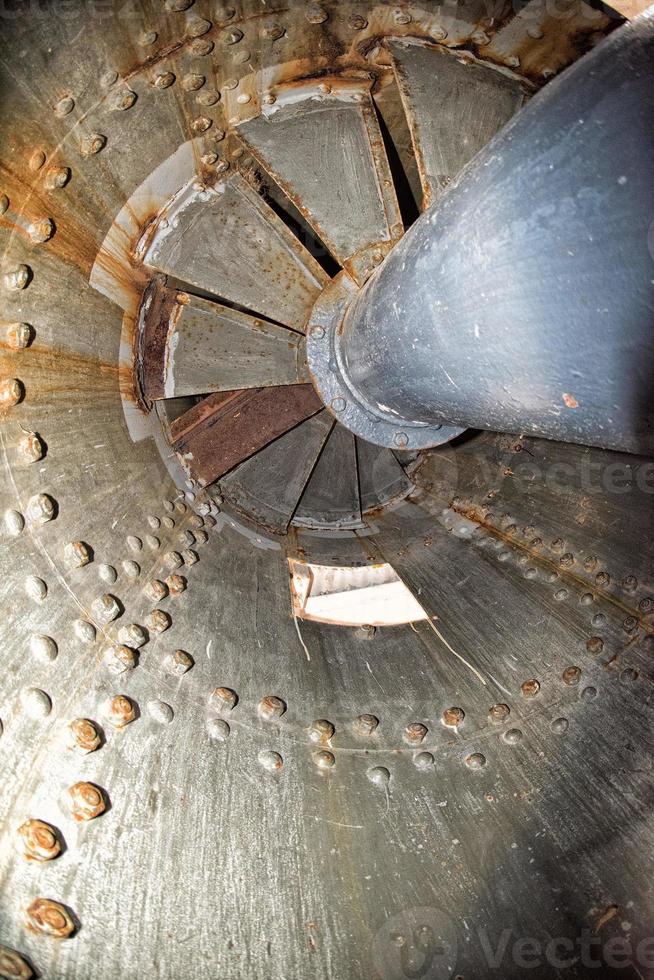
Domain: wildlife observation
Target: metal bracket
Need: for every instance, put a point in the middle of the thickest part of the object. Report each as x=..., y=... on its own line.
x=330, y=380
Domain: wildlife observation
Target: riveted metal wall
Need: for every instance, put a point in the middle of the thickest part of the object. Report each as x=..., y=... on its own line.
x=270, y=797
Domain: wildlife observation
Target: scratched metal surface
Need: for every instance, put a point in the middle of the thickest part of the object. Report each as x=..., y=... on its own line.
x=366, y=855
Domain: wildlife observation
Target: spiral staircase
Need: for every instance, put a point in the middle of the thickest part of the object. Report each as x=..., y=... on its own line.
x=199, y=778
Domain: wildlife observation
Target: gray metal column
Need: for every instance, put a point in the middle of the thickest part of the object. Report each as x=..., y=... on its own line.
x=524, y=300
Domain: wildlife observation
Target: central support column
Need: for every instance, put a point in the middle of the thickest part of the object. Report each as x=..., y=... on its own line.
x=523, y=301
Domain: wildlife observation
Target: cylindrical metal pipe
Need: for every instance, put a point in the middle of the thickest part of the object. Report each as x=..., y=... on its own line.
x=523, y=301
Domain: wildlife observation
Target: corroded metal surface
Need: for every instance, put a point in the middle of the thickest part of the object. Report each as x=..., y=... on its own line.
x=229, y=427
x=286, y=799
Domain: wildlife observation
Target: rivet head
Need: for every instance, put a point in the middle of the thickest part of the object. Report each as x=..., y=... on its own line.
x=201, y=537
x=120, y=658
x=530, y=688
x=134, y=543
x=321, y=730
x=173, y=559
x=269, y=98
x=414, y=733
x=243, y=98
x=560, y=726
x=176, y=584
x=178, y=662
x=83, y=736
x=164, y=79
x=316, y=14
x=452, y=717
x=208, y=99
x=4, y=203
x=512, y=736
x=401, y=17
x=19, y=336
x=201, y=47
x=131, y=568
x=39, y=841
x=193, y=82
x=49, y=918
x=379, y=776
x=119, y=711
x=201, y=124
x=30, y=447
x=132, y=635
x=43, y=648
x=595, y=645
x=160, y=712
x=36, y=588
x=338, y=404
x=223, y=698
x=475, y=760
x=324, y=759
x=401, y=439
x=316, y=331
x=13, y=966
x=357, y=22
x=571, y=675
x=602, y=579
x=14, y=522
x=18, y=277
x=11, y=392
x=272, y=761
x=42, y=230
x=231, y=36
x=91, y=144
x=56, y=178
x=64, y=106
x=273, y=32
x=106, y=608
x=85, y=801
x=218, y=729
x=36, y=703
x=197, y=26
x=271, y=707
x=156, y=590
x=41, y=508
x=366, y=724
x=158, y=621
x=190, y=557
x=499, y=712
x=77, y=554
x=423, y=760
x=84, y=631
x=122, y=100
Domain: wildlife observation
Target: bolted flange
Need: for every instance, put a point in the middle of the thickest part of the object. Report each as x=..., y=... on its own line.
x=330, y=380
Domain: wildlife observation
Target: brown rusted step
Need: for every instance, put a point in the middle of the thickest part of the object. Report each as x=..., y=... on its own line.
x=228, y=427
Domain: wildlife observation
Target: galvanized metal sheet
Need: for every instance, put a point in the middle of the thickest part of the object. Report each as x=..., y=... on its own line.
x=331, y=498
x=454, y=106
x=268, y=486
x=228, y=241
x=211, y=347
x=321, y=143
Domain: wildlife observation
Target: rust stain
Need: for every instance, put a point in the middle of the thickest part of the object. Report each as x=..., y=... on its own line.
x=570, y=400
x=475, y=514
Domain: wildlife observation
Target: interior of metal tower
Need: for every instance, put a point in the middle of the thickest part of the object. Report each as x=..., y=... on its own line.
x=300, y=681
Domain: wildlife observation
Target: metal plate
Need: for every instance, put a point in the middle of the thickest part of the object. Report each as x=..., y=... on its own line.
x=454, y=106
x=321, y=143
x=226, y=240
